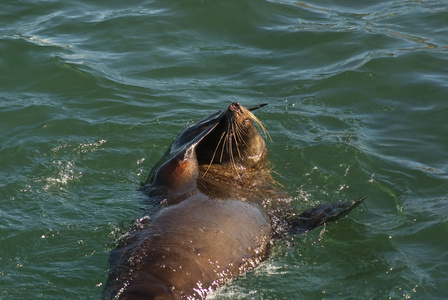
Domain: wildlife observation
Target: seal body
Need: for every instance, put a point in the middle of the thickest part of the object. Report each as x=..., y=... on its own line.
x=213, y=213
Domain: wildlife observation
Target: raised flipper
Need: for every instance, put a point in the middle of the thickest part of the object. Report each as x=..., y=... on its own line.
x=185, y=142
x=320, y=215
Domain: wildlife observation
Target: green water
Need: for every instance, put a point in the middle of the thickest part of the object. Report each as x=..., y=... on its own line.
x=93, y=92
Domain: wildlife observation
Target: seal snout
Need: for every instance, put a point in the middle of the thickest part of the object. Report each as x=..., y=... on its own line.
x=235, y=108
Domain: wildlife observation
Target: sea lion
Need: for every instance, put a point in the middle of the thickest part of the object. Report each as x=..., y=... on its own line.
x=214, y=213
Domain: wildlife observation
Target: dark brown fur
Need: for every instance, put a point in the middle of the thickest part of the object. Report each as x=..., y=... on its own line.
x=218, y=213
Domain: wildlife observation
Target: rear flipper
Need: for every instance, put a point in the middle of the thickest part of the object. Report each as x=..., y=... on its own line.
x=320, y=215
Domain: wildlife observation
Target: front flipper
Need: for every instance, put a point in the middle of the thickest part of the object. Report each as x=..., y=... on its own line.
x=320, y=215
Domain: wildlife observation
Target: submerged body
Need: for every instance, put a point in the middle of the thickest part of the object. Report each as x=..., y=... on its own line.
x=217, y=213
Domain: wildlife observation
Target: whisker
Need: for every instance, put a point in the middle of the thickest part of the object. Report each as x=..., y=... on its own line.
x=232, y=139
x=225, y=145
x=236, y=135
x=260, y=124
x=239, y=131
x=232, y=159
x=214, y=153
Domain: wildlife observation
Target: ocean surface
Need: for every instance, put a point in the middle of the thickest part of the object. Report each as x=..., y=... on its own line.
x=93, y=92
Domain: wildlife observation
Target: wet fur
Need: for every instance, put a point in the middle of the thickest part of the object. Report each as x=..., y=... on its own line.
x=217, y=213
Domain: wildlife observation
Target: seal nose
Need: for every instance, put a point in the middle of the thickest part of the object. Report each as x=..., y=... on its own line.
x=235, y=107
